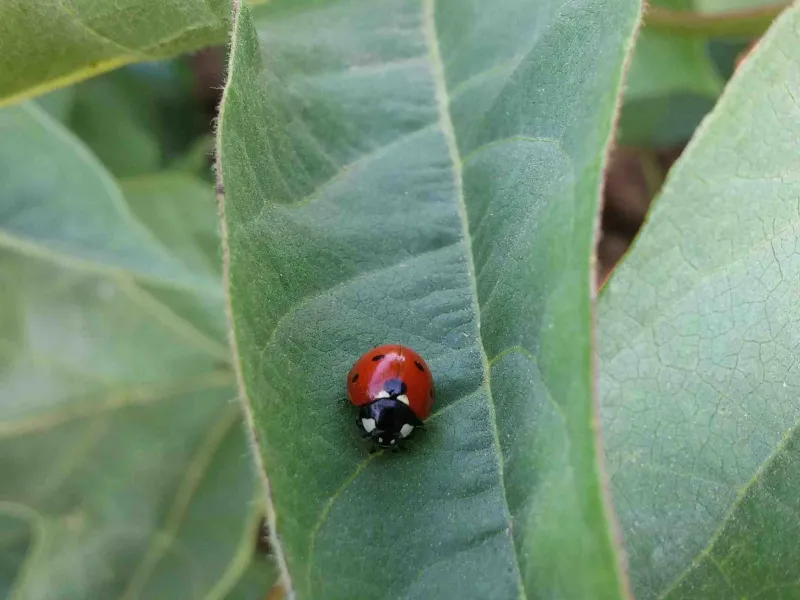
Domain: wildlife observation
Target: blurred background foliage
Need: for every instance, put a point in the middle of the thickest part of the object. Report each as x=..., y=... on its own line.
x=125, y=469
x=685, y=53
x=147, y=117
x=150, y=126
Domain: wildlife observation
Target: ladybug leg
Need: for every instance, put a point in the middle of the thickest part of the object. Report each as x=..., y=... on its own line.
x=363, y=432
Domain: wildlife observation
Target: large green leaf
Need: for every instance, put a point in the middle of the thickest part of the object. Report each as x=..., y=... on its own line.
x=123, y=467
x=45, y=44
x=699, y=338
x=424, y=173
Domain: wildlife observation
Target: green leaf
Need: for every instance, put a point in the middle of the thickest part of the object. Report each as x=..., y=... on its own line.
x=721, y=19
x=124, y=471
x=180, y=211
x=260, y=575
x=424, y=173
x=664, y=64
x=684, y=54
x=58, y=104
x=46, y=44
x=728, y=6
x=698, y=343
x=138, y=118
x=111, y=121
x=197, y=158
x=60, y=203
x=671, y=85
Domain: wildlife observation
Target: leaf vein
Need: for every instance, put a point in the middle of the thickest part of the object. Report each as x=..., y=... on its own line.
x=326, y=509
x=359, y=162
x=168, y=317
x=100, y=36
x=164, y=538
x=707, y=276
x=115, y=400
x=729, y=516
x=525, y=353
x=443, y=106
x=357, y=278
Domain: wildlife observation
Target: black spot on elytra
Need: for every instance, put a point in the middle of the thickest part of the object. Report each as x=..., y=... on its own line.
x=378, y=357
x=353, y=380
x=419, y=366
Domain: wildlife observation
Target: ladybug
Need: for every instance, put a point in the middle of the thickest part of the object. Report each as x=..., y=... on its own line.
x=393, y=388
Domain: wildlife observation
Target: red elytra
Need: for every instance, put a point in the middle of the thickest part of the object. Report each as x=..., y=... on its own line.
x=393, y=387
x=366, y=380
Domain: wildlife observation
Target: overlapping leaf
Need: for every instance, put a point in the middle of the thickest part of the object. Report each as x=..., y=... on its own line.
x=46, y=44
x=699, y=339
x=425, y=173
x=123, y=467
x=685, y=51
x=671, y=84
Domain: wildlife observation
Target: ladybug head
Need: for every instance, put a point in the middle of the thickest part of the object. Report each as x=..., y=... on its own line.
x=386, y=421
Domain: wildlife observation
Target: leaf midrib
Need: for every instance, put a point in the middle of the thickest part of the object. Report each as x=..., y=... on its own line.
x=446, y=125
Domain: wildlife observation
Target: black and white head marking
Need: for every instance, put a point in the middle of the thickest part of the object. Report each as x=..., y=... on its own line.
x=387, y=420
